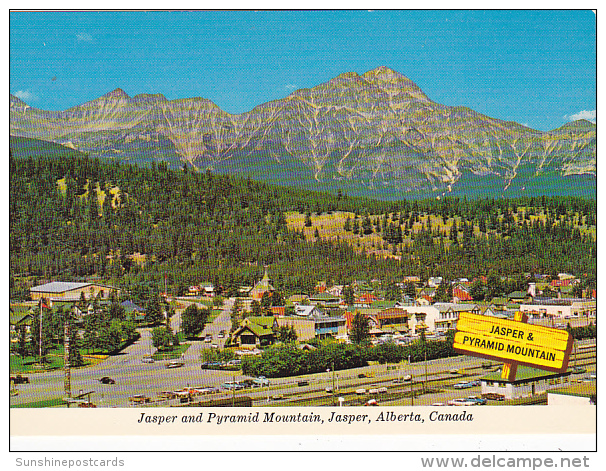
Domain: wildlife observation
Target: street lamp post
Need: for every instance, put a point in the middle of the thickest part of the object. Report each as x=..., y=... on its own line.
x=412, y=393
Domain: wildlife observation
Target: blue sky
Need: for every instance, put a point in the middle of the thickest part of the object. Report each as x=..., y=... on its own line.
x=534, y=67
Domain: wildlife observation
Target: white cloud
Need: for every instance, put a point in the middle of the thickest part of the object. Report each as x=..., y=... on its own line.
x=84, y=37
x=589, y=115
x=25, y=95
x=290, y=87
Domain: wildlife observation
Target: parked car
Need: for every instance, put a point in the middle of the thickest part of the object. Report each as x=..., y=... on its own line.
x=175, y=364
x=461, y=401
x=247, y=383
x=87, y=404
x=107, y=380
x=139, y=399
x=382, y=390
x=371, y=402
x=493, y=396
x=167, y=395
x=438, y=404
x=578, y=370
x=147, y=360
x=360, y=391
x=302, y=383
x=463, y=385
x=478, y=400
x=261, y=381
x=19, y=379
x=232, y=386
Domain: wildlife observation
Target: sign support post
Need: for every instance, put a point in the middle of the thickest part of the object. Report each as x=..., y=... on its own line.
x=511, y=368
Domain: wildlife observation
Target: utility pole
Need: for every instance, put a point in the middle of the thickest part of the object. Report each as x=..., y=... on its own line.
x=66, y=364
x=333, y=380
x=412, y=393
x=425, y=367
x=40, y=339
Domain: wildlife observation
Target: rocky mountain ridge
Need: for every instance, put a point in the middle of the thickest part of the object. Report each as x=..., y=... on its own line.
x=371, y=133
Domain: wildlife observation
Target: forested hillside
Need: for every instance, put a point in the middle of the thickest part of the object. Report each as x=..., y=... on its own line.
x=73, y=217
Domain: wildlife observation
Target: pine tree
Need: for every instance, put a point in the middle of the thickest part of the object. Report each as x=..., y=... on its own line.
x=360, y=328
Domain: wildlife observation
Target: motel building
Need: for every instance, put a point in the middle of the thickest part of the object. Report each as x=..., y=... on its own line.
x=528, y=382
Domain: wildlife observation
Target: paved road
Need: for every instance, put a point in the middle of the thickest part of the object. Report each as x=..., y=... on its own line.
x=132, y=376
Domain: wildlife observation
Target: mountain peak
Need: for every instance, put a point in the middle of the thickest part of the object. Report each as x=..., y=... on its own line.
x=149, y=97
x=394, y=83
x=117, y=93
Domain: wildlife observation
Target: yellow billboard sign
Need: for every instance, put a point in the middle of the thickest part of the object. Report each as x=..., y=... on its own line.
x=513, y=342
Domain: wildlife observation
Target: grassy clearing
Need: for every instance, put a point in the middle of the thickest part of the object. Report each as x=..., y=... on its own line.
x=55, y=402
x=331, y=227
x=172, y=354
x=29, y=364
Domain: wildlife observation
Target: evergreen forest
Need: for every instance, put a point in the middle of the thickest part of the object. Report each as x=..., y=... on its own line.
x=76, y=218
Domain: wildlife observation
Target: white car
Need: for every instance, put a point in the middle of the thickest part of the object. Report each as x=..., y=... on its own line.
x=461, y=401
x=147, y=360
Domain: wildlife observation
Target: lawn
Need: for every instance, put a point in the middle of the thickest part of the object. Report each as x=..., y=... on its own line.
x=172, y=354
x=29, y=364
x=55, y=402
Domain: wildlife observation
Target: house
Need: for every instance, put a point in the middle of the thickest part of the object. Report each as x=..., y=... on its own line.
x=193, y=291
x=460, y=292
x=517, y=297
x=449, y=314
x=489, y=310
x=390, y=320
x=20, y=314
x=67, y=291
x=325, y=299
x=410, y=279
x=434, y=281
x=365, y=300
x=427, y=293
x=307, y=311
x=298, y=299
x=207, y=289
x=262, y=287
x=315, y=325
x=278, y=310
x=255, y=331
x=564, y=282
x=132, y=310
x=336, y=290
x=421, y=301
x=559, y=308
x=529, y=381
